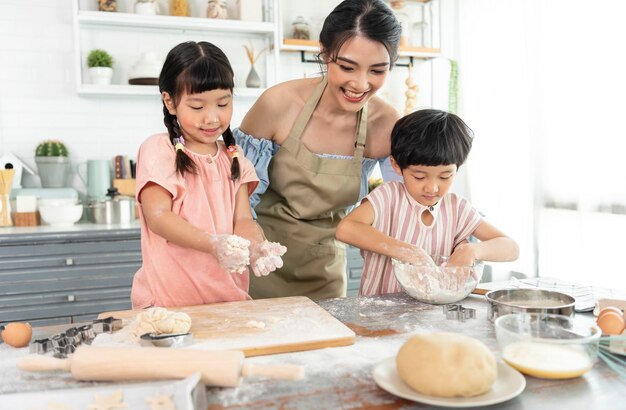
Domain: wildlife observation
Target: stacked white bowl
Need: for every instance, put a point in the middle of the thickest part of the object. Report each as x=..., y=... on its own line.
x=60, y=211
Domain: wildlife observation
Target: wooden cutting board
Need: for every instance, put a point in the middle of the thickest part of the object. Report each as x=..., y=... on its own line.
x=261, y=327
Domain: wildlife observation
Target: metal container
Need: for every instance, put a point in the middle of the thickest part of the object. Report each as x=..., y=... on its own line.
x=112, y=211
x=505, y=301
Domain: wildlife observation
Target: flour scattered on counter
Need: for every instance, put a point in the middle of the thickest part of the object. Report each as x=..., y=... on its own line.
x=255, y=324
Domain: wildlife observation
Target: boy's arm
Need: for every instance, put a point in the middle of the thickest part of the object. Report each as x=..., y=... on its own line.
x=356, y=229
x=495, y=246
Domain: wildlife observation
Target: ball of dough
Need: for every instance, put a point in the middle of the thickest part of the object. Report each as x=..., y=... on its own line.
x=446, y=365
x=160, y=320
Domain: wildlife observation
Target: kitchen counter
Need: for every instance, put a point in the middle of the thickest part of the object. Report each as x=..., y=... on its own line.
x=8, y=232
x=341, y=378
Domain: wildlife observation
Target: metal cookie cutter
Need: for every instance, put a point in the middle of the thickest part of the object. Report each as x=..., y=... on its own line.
x=107, y=325
x=166, y=339
x=458, y=312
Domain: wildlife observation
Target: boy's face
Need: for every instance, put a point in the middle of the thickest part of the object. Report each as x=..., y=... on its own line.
x=427, y=184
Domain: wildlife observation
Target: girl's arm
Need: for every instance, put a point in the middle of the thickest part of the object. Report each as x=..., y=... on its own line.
x=356, y=229
x=156, y=203
x=265, y=257
x=495, y=246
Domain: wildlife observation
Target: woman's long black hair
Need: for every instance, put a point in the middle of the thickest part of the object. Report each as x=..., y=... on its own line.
x=193, y=68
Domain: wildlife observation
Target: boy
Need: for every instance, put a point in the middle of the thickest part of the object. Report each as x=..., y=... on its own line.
x=413, y=219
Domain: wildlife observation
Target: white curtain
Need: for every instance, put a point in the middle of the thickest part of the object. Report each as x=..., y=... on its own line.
x=542, y=84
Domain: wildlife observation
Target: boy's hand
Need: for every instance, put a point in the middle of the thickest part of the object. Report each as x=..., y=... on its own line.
x=463, y=255
x=416, y=256
x=231, y=252
x=265, y=257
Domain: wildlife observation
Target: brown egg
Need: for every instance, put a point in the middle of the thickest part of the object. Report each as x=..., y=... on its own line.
x=610, y=309
x=17, y=334
x=611, y=323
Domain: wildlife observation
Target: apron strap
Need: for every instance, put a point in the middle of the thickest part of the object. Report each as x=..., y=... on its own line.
x=307, y=111
x=361, y=134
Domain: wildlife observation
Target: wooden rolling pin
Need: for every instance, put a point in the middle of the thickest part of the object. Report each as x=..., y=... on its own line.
x=218, y=368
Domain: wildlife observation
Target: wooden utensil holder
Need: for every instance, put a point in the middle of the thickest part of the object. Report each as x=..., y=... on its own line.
x=125, y=186
x=26, y=218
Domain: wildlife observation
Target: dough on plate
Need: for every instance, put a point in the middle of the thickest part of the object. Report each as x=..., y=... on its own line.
x=446, y=365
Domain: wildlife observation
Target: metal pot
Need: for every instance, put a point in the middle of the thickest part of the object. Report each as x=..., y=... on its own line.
x=112, y=211
x=505, y=301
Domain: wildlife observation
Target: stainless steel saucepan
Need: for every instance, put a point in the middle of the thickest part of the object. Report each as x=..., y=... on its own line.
x=505, y=301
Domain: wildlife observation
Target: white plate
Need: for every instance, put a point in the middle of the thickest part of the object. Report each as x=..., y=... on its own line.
x=508, y=384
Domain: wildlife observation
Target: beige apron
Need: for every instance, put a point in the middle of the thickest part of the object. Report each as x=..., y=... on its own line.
x=307, y=197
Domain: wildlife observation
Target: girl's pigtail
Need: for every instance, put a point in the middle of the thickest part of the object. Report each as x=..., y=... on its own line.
x=229, y=139
x=183, y=162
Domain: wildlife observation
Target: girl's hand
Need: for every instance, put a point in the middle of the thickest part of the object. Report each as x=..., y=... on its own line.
x=231, y=252
x=265, y=257
x=463, y=255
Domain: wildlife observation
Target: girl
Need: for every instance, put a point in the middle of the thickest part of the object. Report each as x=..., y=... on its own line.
x=193, y=191
x=322, y=144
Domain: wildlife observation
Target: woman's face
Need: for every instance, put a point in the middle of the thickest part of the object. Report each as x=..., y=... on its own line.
x=359, y=70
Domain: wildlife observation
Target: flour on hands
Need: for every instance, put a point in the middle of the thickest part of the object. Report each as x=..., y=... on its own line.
x=265, y=257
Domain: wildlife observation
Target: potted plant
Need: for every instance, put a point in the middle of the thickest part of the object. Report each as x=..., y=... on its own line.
x=53, y=163
x=100, y=65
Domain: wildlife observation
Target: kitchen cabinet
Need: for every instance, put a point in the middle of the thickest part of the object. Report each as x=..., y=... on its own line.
x=126, y=35
x=57, y=277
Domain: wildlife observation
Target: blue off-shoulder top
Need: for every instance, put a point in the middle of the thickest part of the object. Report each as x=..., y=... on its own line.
x=260, y=152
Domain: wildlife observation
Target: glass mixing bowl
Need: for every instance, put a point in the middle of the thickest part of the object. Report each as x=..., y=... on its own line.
x=437, y=284
x=546, y=345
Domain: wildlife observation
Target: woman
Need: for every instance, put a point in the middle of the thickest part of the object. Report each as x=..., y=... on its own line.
x=323, y=137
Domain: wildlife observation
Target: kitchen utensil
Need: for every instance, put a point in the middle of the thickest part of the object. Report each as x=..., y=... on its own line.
x=260, y=327
x=116, y=209
x=546, y=345
x=508, y=385
x=6, y=181
x=458, y=312
x=505, y=301
x=98, y=178
x=437, y=284
x=166, y=339
x=218, y=368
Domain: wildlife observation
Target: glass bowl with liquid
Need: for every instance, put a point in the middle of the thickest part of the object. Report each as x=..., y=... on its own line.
x=548, y=346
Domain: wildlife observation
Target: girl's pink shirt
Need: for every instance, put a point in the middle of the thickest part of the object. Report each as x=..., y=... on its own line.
x=172, y=275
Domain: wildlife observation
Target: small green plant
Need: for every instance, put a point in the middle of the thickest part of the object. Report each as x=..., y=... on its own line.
x=51, y=148
x=99, y=58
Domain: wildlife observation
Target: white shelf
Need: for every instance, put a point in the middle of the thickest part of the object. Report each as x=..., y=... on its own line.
x=313, y=47
x=150, y=90
x=99, y=18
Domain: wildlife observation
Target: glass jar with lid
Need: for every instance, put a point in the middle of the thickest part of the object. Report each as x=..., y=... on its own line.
x=217, y=9
x=300, y=29
x=179, y=8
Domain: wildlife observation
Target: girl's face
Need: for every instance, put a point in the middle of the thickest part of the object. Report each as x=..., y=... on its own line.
x=202, y=117
x=427, y=184
x=360, y=69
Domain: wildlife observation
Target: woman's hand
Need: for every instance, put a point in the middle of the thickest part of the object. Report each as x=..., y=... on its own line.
x=231, y=251
x=265, y=257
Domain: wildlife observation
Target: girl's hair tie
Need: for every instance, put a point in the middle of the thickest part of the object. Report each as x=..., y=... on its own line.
x=232, y=149
x=179, y=143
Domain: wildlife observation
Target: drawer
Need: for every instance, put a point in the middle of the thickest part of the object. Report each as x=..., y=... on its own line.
x=57, y=310
x=68, y=260
x=21, y=252
x=68, y=297
x=67, y=278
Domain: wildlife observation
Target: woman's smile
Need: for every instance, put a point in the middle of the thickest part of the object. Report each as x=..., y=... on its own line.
x=354, y=97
